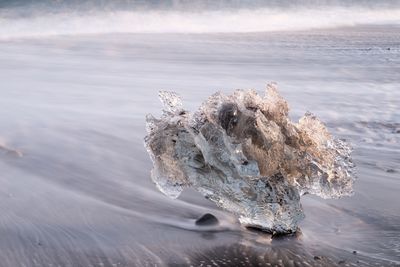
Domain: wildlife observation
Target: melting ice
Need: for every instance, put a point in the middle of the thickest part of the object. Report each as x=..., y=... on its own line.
x=243, y=152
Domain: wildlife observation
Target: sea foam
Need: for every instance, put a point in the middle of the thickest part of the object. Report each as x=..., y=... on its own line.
x=39, y=24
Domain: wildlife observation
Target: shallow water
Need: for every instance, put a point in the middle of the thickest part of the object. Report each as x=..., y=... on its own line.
x=81, y=194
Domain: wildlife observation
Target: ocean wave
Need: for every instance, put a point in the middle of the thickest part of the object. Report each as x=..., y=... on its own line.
x=169, y=21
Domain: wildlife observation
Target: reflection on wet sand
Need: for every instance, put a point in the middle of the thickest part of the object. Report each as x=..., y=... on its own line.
x=260, y=249
x=81, y=194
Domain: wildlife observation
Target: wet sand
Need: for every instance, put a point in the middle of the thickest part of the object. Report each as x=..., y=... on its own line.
x=81, y=194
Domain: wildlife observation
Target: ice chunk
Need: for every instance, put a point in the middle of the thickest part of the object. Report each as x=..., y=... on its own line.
x=242, y=152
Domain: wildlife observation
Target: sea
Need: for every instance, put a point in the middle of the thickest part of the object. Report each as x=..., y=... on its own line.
x=78, y=78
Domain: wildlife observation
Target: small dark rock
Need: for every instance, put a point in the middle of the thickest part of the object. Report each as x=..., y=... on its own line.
x=207, y=219
x=277, y=237
x=317, y=258
x=354, y=252
x=390, y=170
x=342, y=262
x=388, y=48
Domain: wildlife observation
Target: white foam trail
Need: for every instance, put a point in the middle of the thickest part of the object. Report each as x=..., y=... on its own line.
x=260, y=20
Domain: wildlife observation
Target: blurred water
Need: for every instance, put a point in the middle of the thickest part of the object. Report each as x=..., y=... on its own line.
x=25, y=18
x=81, y=194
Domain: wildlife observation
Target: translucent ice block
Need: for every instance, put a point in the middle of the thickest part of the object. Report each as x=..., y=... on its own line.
x=243, y=152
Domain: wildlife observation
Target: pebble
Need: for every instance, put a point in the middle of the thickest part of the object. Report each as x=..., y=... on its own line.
x=207, y=219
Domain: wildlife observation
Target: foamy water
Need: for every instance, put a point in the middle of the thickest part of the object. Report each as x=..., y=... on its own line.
x=75, y=187
x=222, y=21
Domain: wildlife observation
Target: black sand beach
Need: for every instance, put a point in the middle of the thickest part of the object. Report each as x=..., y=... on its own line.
x=79, y=191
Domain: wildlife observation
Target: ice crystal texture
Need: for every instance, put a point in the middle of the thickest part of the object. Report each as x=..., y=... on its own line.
x=243, y=152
